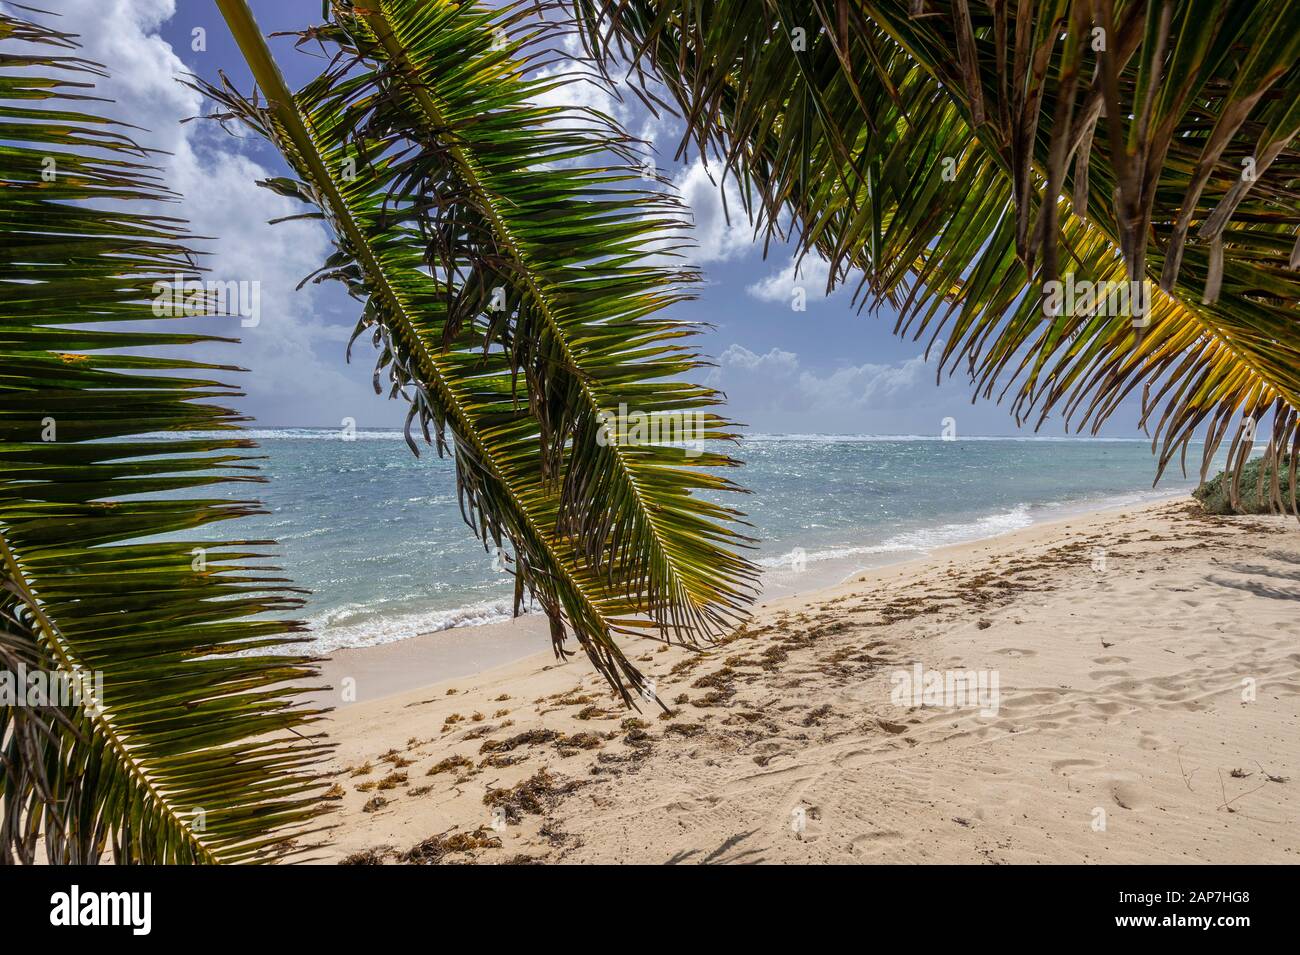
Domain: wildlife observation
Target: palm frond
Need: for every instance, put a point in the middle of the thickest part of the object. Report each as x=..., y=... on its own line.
x=961, y=157
x=178, y=741
x=504, y=253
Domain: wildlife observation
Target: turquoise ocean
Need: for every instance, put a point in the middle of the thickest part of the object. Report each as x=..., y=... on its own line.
x=376, y=534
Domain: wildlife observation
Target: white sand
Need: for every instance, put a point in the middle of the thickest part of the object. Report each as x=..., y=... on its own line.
x=1125, y=728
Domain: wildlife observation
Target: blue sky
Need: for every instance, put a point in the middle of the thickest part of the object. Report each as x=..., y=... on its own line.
x=828, y=369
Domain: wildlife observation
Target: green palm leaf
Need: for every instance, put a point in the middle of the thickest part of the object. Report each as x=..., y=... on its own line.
x=189, y=752
x=504, y=255
x=1063, y=158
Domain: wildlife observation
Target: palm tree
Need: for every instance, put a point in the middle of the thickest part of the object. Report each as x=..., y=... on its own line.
x=506, y=258
x=166, y=728
x=954, y=158
x=509, y=265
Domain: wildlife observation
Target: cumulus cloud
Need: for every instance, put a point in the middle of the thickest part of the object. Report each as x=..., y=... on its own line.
x=862, y=384
x=721, y=231
x=809, y=273
x=290, y=381
x=573, y=90
x=777, y=360
x=780, y=377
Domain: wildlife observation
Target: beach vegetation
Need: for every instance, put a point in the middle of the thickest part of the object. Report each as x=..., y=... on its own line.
x=515, y=268
x=189, y=743
x=1248, y=490
x=959, y=162
x=536, y=795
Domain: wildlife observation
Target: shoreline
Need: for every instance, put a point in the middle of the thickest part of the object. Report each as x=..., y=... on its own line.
x=1146, y=712
x=454, y=653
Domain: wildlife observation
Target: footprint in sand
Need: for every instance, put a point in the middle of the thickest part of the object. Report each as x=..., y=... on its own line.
x=1126, y=789
x=1066, y=767
x=1128, y=795
x=872, y=844
x=1015, y=703
x=1154, y=741
x=1109, y=709
x=1016, y=652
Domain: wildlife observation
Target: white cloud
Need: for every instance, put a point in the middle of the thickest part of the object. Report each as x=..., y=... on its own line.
x=221, y=200
x=661, y=132
x=857, y=385
x=777, y=360
x=575, y=90
x=716, y=238
x=720, y=229
x=809, y=273
x=778, y=378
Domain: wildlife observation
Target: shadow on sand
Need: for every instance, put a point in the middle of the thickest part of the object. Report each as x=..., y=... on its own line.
x=724, y=854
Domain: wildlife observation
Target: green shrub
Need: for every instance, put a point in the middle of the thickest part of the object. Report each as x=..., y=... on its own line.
x=1213, y=494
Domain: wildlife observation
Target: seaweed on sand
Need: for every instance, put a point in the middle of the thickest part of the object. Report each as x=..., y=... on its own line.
x=534, y=737
x=536, y=795
x=432, y=850
x=448, y=764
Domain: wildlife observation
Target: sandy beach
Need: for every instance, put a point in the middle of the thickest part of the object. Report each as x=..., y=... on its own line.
x=1117, y=687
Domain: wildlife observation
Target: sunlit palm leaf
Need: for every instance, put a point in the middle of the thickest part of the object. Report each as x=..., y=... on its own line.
x=855, y=132
x=191, y=753
x=448, y=189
